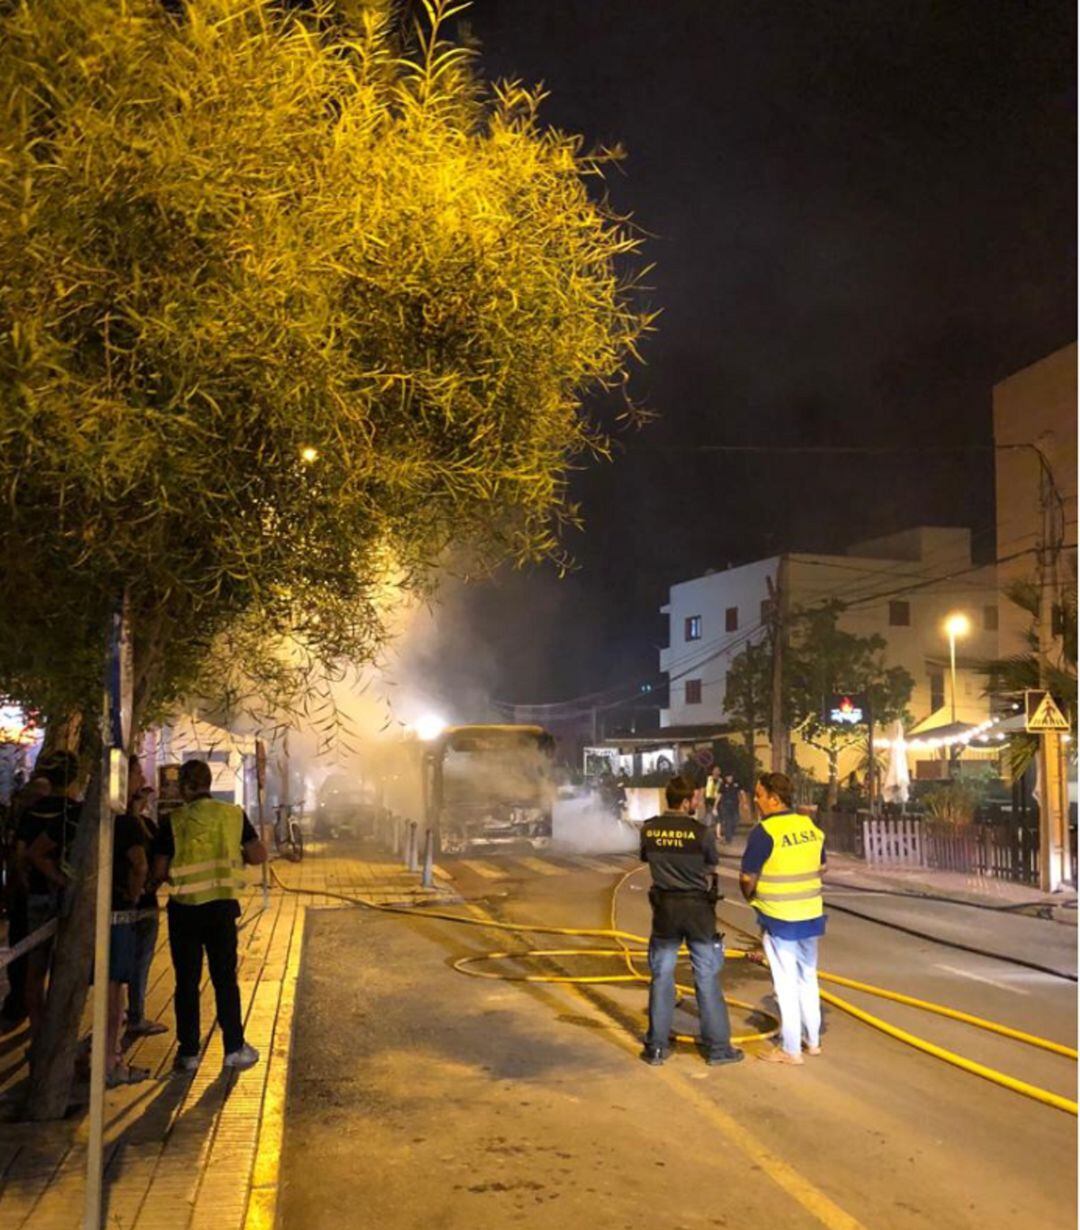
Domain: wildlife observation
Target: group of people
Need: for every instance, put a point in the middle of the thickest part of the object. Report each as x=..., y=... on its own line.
x=199, y=849
x=723, y=800
x=780, y=876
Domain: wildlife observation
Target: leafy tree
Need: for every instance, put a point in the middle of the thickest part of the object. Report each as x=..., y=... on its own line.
x=1012, y=676
x=286, y=311
x=748, y=695
x=824, y=658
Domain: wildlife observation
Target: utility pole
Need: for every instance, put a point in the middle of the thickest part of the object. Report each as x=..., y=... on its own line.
x=1053, y=805
x=778, y=597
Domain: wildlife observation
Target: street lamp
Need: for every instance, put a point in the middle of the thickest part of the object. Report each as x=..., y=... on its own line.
x=956, y=625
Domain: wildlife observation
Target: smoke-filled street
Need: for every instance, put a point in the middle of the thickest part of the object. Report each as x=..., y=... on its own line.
x=456, y=1101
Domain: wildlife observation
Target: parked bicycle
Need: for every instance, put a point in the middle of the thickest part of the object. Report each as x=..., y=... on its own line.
x=288, y=836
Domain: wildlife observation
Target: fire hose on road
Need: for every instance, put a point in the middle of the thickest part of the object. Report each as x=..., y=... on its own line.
x=626, y=953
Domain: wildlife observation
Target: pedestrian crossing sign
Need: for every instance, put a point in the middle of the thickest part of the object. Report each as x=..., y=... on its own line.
x=1043, y=712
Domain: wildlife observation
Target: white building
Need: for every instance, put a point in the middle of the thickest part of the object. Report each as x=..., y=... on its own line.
x=902, y=587
x=1034, y=408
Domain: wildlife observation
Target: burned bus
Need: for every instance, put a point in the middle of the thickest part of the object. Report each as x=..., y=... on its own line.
x=489, y=786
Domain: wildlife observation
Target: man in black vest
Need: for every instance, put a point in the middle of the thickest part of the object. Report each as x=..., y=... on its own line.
x=682, y=857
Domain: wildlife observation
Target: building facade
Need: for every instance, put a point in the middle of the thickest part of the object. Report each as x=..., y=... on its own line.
x=1034, y=408
x=902, y=587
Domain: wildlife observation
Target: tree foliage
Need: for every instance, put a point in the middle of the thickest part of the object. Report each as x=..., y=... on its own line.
x=286, y=310
x=821, y=658
x=1013, y=675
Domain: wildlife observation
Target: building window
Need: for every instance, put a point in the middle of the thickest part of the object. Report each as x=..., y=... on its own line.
x=731, y=619
x=937, y=691
x=899, y=614
x=990, y=618
x=693, y=628
x=693, y=691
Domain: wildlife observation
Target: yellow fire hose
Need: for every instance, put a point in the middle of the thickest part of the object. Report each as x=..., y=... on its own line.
x=467, y=965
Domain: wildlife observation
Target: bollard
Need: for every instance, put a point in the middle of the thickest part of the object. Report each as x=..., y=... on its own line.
x=395, y=834
x=428, y=879
x=411, y=852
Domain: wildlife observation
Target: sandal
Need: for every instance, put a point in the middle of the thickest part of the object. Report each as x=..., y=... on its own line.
x=126, y=1074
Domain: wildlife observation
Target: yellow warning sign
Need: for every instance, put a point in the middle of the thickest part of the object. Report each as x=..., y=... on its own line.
x=1043, y=712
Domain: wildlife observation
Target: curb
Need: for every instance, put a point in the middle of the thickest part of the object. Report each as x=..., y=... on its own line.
x=262, y=1205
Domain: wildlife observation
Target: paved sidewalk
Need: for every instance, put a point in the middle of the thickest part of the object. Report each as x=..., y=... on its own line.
x=203, y=1152
x=846, y=871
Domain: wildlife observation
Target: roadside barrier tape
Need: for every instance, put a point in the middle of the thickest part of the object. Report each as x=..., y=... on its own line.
x=466, y=966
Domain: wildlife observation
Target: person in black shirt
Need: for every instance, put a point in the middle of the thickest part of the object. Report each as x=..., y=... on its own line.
x=13, y=1011
x=147, y=920
x=47, y=830
x=682, y=857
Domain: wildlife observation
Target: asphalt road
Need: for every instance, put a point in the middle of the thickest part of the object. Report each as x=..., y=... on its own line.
x=423, y=1098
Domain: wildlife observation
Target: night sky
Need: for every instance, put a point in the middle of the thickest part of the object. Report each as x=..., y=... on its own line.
x=863, y=215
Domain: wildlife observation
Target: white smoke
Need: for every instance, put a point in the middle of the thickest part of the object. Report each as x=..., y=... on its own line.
x=583, y=825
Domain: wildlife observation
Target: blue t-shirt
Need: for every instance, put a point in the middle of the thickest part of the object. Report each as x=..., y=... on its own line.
x=759, y=846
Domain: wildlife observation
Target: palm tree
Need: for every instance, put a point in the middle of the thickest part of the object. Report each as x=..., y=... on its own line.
x=1014, y=675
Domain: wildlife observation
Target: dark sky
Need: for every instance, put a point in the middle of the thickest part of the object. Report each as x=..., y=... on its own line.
x=864, y=215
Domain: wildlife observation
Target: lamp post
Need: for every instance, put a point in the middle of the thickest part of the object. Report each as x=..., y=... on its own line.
x=956, y=625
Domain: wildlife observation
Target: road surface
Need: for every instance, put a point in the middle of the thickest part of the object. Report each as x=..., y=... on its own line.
x=420, y=1097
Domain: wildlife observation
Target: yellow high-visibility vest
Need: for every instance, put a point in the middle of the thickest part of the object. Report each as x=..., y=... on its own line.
x=789, y=886
x=207, y=864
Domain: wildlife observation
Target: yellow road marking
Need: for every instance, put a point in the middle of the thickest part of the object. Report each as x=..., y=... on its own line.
x=540, y=867
x=261, y=1213
x=783, y=1174
x=482, y=869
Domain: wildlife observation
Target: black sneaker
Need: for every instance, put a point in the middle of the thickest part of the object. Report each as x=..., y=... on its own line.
x=731, y=1055
x=652, y=1055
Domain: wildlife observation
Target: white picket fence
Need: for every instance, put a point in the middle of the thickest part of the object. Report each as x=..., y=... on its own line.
x=894, y=843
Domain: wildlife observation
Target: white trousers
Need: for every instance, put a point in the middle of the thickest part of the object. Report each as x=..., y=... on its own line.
x=793, y=965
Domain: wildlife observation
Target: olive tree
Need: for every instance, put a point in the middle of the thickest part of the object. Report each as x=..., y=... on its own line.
x=289, y=306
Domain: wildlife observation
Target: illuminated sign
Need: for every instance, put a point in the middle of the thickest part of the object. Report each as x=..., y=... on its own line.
x=845, y=709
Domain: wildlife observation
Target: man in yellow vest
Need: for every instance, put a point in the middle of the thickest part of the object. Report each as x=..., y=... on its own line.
x=781, y=878
x=201, y=849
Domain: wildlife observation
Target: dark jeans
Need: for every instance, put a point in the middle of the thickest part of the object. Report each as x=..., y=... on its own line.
x=193, y=928
x=729, y=818
x=689, y=918
x=146, y=933
x=14, y=1006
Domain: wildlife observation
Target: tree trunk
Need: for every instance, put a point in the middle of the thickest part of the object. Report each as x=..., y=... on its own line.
x=831, y=797
x=52, y=1059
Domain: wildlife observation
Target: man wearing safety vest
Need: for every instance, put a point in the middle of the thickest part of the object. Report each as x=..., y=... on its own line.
x=781, y=878
x=201, y=849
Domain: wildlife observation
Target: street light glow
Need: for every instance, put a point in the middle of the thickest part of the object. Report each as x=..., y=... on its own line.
x=309, y=454
x=429, y=727
x=957, y=624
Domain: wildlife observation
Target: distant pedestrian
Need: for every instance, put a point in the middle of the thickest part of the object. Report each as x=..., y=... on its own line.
x=682, y=857
x=730, y=794
x=147, y=920
x=47, y=832
x=201, y=848
x=128, y=884
x=781, y=878
x=712, y=794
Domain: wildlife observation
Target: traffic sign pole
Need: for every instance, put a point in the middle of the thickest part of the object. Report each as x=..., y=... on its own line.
x=1045, y=719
